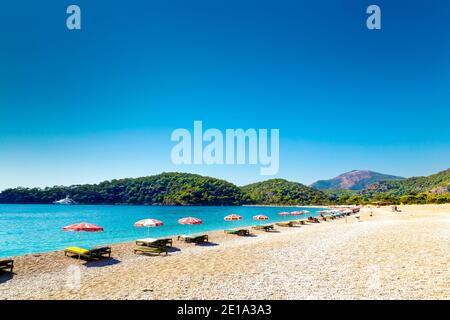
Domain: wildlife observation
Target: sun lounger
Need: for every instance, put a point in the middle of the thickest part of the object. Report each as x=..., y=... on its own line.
x=95, y=253
x=7, y=265
x=150, y=249
x=292, y=223
x=154, y=242
x=313, y=219
x=300, y=221
x=194, y=238
x=265, y=228
x=239, y=232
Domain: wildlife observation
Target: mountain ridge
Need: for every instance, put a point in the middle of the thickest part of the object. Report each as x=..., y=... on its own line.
x=353, y=180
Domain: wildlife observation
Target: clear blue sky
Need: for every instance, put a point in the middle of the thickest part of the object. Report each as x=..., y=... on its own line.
x=101, y=103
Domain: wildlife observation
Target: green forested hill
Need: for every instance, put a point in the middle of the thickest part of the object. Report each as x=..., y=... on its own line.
x=280, y=191
x=192, y=189
x=436, y=183
x=164, y=189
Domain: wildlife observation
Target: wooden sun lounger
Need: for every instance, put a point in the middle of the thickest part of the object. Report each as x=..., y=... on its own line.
x=7, y=264
x=95, y=253
x=194, y=238
x=150, y=249
x=239, y=232
x=292, y=223
x=327, y=217
x=300, y=221
x=265, y=228
x=313, y=219
x=150, y=242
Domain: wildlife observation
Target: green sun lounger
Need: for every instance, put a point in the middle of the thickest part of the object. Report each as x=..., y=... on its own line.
x=300, y=221
x=239, y=232
x=265, y=228
x=95, y=253
x=292, y=223
x=201, y=238
x=7, y=265
x=155, y=242
x=313, y=219
x=150, y=249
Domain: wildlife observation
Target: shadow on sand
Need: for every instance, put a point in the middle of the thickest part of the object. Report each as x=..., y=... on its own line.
x=207, y=244
x=5, y=276
x=101, y=263
x=173, y=249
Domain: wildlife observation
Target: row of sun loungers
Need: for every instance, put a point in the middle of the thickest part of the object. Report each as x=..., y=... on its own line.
x=161, y=246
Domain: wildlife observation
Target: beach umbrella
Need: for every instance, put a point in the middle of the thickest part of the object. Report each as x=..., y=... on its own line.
x=83, y=227
x=233, y=217
x=260, y=217
x=284, y=213
x=190, y=221
x=296, y=213
x=148, y=223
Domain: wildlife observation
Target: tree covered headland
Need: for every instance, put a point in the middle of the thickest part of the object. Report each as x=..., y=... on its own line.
x=280, y=191
x=162, y=189
x=191, y=189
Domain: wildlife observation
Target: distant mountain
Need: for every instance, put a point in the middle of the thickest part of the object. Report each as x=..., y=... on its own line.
x=353, y=180
x=280, y=191
x=438, y=183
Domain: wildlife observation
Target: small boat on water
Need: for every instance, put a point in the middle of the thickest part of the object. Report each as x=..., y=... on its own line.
x=66, y=201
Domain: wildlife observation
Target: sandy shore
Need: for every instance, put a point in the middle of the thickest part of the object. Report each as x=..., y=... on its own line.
x=402, y=255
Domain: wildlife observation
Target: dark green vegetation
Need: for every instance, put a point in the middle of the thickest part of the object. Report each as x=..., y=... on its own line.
x=163, y=189
x=192, y=189
x=416, y=190
x=437, y=183
x=279, y=191
x=353, y=180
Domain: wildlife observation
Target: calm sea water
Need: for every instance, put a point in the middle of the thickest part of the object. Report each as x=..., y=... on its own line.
x=38, y=228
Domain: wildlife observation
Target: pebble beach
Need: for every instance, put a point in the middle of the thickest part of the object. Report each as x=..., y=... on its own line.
x=390, y=255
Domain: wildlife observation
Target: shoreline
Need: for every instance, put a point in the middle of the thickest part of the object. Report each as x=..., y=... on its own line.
x=115, y=242
x=327, y=260
x=173, y=236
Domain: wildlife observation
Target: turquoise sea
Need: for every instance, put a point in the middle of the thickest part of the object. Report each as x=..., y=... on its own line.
x=38, y=228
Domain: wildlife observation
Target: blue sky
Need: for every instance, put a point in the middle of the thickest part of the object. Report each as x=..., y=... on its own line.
x=100, y=103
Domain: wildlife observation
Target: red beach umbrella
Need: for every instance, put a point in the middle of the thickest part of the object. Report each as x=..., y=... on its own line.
x=233, y=217
x=148, y=223
x=260, y=217
x=189, y=221
x=284, y=213
x=83, y=226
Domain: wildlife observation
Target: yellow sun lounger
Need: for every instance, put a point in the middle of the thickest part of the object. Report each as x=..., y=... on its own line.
x=95, y=253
